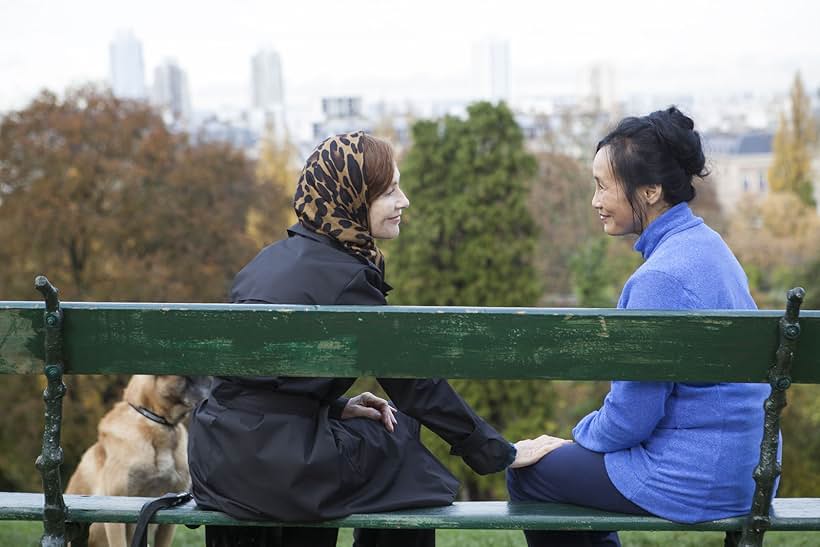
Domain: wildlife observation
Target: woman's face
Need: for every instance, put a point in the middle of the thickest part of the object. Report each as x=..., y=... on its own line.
x=385, y=212
x=609, y=199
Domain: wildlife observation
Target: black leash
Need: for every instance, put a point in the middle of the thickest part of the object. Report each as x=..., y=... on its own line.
x=148, y=510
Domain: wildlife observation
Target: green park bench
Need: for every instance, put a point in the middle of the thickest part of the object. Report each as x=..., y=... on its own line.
x=478, y=343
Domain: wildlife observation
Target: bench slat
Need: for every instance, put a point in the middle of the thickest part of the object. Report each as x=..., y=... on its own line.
x=787, y=514
x=521, y=343
x=21, y=338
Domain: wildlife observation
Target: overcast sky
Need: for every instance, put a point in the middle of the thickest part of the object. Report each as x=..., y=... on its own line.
x=418, y=49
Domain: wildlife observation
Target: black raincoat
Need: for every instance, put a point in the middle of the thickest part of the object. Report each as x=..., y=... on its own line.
x=276, y=447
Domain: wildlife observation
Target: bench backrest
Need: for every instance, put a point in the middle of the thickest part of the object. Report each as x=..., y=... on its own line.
x=412, y=342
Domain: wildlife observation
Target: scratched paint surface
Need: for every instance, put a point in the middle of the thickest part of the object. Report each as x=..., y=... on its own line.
x=21, y=338
x=409, y=342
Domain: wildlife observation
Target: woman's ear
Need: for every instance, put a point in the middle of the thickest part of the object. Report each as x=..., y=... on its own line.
x=653, y=194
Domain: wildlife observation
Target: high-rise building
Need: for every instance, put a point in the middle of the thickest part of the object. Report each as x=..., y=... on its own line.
x=491, y=65
x=171, y=91
x=601, y=91
x=127, y=68
x=266, y=81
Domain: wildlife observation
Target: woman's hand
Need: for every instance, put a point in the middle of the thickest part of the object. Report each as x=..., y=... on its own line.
x=529, y=451
x=368, y=405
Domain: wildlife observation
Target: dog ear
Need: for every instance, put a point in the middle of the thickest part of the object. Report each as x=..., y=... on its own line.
x=163, y=392
x=136, y=388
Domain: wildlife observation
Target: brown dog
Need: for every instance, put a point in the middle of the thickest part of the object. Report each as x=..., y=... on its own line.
x=141, y=450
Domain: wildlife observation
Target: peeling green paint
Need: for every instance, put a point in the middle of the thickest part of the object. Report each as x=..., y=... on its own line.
x=442, y=342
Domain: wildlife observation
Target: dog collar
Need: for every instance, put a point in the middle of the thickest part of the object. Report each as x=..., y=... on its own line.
x=152, y=416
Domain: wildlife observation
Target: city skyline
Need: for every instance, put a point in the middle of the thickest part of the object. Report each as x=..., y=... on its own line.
x=406, y=51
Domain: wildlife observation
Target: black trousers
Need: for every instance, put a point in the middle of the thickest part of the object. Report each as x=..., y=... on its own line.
x=253, y=536
x=570, y=474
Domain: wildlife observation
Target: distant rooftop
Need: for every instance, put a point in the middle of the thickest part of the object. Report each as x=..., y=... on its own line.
x=755, y=142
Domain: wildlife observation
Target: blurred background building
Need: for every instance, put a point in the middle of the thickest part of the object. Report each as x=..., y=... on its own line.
x=491, y=68
x=171, y=93
x=127, y=69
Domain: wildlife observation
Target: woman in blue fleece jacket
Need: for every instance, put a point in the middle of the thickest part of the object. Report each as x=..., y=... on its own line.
x=685, y=452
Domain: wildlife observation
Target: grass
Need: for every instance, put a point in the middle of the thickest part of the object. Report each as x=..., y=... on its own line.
x=27, y=534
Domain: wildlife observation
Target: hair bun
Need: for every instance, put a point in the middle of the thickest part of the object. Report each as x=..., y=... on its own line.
x=677, y=132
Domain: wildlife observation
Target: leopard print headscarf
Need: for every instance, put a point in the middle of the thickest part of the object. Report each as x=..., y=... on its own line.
x=331, y=195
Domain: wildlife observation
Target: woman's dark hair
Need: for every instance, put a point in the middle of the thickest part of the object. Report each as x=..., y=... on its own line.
x=379, y=160
x=661, y=148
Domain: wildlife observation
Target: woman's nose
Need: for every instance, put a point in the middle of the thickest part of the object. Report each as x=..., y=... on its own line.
x=404, y=202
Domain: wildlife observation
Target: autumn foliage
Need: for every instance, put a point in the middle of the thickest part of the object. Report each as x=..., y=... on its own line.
x=99, y=195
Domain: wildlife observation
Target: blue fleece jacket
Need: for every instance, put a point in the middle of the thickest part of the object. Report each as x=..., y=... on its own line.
x=684, y=452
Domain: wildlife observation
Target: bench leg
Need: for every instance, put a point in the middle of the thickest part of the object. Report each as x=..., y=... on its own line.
x=49, y=462
x=732, y=539
x=77, y=533
x=768, y=469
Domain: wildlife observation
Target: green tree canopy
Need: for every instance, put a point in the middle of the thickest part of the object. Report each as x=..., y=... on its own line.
x=468, y=239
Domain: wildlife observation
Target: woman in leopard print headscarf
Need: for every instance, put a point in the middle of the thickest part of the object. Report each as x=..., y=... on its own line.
x=304, y=459
x=332, y=195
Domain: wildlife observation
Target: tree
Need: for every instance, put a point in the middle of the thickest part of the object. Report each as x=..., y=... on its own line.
x=811, y=274
x=96, y=193
x=599, y=268
x=276, y=175
x=707, y=205
x=801, y=475
x=775, y=240
x=468, y=240
x=792, y=147
x=560, y=206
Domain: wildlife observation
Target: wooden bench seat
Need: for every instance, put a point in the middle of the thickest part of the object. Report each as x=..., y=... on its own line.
x=786, y=514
